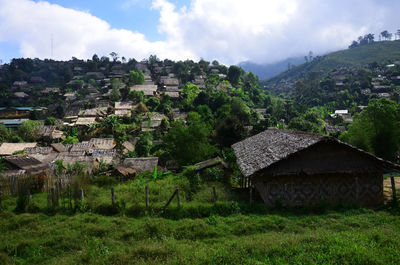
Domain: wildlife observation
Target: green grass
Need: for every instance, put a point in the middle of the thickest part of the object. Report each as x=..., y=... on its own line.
x=233, y=232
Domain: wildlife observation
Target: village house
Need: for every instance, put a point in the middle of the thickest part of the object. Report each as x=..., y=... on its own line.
x=123, y=109
x=301, y=169
x=49, y=90
x=18, y=112
x=334, y=130
x=344, y=114
x=12, y=123
x=95, y=112
x=7, y=149
x=50, y=133
x=141, y=164
x=17, y=165
x=151, y=121
x=148, y=90
x=85, y=121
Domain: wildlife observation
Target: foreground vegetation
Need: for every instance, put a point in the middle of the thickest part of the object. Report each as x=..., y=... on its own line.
x=198, y=232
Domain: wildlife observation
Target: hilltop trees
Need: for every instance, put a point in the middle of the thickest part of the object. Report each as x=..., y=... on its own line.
x=377, y=129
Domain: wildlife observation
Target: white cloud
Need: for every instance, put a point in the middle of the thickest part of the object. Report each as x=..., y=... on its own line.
x=226, y=30
x=75, y=33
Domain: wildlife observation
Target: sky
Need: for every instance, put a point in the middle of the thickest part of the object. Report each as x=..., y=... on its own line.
x=230, y=31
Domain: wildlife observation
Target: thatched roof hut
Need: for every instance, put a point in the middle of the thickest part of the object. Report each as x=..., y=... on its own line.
x=148, y=90
x=58, y=147
x=298, y=168
x=103, y=143
x=7, y=149
x=142, y=163
x=30, y=165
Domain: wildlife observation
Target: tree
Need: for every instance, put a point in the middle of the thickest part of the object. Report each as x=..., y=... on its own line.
x=29, y=131
x=189, y=94
x=115, y=95
x=50, y=121
x=377, y=129
x=136, y=96
x=114, y=56
x=234, y=73
x=143, y=145
x=385, y=34
x=188, y=144
x=136, y=78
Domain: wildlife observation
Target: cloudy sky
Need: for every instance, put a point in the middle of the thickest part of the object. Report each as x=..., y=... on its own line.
x=229, y=31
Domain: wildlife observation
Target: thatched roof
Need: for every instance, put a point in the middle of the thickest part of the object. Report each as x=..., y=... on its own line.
x=334, y=129
x=38, y=150
x=125, y=170
x=123, y=105
x=81, y=147
x=29, y=164
x=271, y=146
x=142, y=163
x=58, y=147
x=103, y=143
x=85, y=121
x=210, y=163
x=95, y=112
x=10, y=148
x=262, y=150
x=21, y=95
x=170, y=82
x=172, y=94
x=128, y=146
x=148, y=90
x=123, y=112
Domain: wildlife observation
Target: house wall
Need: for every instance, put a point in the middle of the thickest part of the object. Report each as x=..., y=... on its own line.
x=307, y=190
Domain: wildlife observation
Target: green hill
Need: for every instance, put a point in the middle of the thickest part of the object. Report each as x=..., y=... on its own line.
x=380, y=52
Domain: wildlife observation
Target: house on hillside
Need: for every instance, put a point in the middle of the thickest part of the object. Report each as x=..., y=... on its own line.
x=141, y=164
x=301, y=169
x=151, y=121
x=148, y=90
x=7, y=149
x=49, y=133
x=123, y=109
x=24, y=165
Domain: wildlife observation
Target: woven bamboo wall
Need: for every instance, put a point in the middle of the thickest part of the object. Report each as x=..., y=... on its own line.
x=308, y=190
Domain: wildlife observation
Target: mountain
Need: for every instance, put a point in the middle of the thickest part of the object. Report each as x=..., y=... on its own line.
x=266, y=71
x=380, y=52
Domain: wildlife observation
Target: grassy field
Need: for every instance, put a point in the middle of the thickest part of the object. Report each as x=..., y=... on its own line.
x=199, y=232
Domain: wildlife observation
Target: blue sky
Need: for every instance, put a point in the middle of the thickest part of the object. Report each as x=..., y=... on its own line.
x=226, y=30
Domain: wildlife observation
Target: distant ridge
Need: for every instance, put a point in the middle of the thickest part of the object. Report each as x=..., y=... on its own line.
x=380, y=52
x=266, y=71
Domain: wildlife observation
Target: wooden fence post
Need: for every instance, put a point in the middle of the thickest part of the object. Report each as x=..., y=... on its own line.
x=170, y=199
x=147, y=195
x=178, y=202
x=393, y=189
x=28, y=197
x=53, y=199
x=251, y=194
x=69, y=197
x=215, y=196
x=81, y=195
x=112, y=196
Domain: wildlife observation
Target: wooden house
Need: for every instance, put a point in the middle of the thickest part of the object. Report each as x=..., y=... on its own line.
x=301, y=169
x=148, y=90
x=123, y=109
x=142, y=163
x=29, y=165
x=7, y=149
